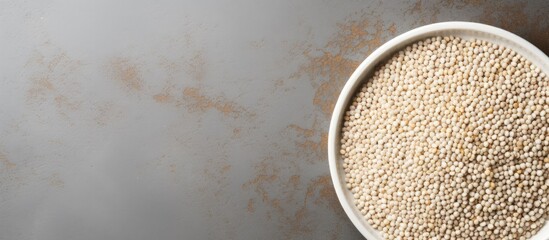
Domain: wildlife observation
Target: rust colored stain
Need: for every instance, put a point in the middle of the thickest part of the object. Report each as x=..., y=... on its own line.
x=313, y=142
x=52, y=81
x=57, y=59
x=425, y=14
x=338, y=59
x=295, y=180
x=6, y=162
x=162, y=98
x=173, y=168
x=303, y=131
x=322, y=188
x=105, y=113
x=194, y=100
x=326, y=94
x=171, y=67
x=354, y=37
x=63, y=102
x=165, y=96
x=392, y=29
x=316, y=146
x=216, y=177
x=324, y=141
x=225, y=169
x=293, y=223
x=266, y=174
x=459, y=4
x=196, y=67
x=250, y=208
x=417, y=7
x=299, y=223
x=212, y=190
x=279, y=82
x=39, y=87
x=236, y=132
x=127, y=73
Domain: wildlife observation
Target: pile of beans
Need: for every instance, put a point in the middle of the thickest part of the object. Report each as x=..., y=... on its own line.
x=449, y=139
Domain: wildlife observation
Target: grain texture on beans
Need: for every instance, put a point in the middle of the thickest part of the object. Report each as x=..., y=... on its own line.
x=449, y=139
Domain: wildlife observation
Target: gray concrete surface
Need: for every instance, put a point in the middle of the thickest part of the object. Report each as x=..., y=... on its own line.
x=190, y=119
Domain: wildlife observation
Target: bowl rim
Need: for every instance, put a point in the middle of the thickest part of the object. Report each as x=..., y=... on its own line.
x=367, y=67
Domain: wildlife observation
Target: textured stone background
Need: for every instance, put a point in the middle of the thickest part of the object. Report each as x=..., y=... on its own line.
x=190, y=119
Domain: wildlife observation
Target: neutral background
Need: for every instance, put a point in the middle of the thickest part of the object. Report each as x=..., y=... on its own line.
x=190, y=119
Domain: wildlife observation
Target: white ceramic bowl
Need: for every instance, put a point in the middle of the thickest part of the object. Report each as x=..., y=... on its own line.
x=466, y=30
